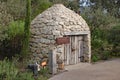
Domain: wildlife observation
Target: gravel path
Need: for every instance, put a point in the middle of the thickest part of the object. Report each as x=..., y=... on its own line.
x=107, y=70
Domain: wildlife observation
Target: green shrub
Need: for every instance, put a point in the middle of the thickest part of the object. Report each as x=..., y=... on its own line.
x=24, y=76
x=116, y=51
x=3, y=34
x=12, y=42
x=114, y=35
x=44, y=72
x=105, y=55
x=39, y=6
x=15, y=28
x=42, y=78
x=114, y=39
x=95, y=58
x=8, y=71
x=97, y=43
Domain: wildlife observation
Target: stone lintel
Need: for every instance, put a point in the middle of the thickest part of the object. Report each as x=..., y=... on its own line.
x=77, y=33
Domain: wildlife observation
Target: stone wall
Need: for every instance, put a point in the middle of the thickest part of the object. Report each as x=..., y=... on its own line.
x=87, y=47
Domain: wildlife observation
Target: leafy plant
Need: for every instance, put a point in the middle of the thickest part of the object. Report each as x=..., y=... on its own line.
x=11, y=39
x=95, y=58
x=114, y=39
x=114, y=35
x=15, y=28
x=24, y=76
x=39, y=6
x=44, y=71
x=8, y=71
x=3, y=34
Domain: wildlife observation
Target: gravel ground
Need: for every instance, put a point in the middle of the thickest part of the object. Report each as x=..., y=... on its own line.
x=104, y=70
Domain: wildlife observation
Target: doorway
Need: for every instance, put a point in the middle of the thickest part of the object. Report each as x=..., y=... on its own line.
x=74, y=51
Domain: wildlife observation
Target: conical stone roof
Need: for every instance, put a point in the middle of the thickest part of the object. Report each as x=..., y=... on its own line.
x=60, y=18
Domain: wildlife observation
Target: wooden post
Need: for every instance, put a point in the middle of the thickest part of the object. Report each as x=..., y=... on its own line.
x=52, y=62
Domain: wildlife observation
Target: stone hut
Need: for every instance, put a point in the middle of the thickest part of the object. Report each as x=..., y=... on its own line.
x=62, y=32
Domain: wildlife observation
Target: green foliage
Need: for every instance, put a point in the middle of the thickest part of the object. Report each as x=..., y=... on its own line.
x=98, y=19
x=11, y=39
x=114, y=38
x=16, y=31
x=3, y=34
x=114, y=35
x=116, y=51
x=15, y=28
x=103, y=32
x=39, y=6
x=101, y=49
x=105, y=55
x=96, y=43
x=44, y=71
x=24, y=76
x=65, y=2
x=71, y=4
x=42, y=78
x=97, y=39
x=16, y=8
x=95, y=58
x=8, y=71
x=27, y=28
x=112, y=6
x=5, y=17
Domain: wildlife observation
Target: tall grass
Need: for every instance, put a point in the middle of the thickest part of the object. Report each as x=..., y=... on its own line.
x=8, y=71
